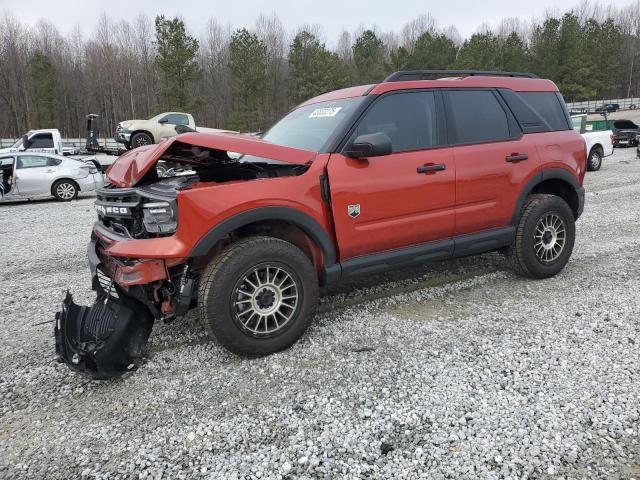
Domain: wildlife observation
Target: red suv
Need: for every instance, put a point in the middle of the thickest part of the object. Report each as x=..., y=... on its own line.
x=352, y=182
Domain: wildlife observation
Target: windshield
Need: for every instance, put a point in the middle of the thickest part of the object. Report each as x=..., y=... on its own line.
x=311, y=127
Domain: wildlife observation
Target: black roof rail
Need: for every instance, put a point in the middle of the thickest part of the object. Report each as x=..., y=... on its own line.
x=405, y=75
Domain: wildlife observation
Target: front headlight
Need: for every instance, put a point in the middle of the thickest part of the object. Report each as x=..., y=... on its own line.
x=125, y=125
x=159, y=217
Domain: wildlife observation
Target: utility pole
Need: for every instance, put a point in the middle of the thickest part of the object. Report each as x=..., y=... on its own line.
x=133, y=113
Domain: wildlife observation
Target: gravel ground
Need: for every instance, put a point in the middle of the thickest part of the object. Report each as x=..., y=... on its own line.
x=457, y=370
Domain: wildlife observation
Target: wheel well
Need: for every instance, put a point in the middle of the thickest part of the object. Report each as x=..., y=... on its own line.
x=142, y=131
x=561, y=189
x=70, y=180
x=597, y=146
x=278, y=229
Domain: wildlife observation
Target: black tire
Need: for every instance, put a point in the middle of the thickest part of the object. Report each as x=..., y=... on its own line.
x=65, y=190
x=527, y=251
x=139, y=139
x=222, y=288
x=594, y=162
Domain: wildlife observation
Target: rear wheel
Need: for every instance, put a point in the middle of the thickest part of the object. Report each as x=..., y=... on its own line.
x=258, y=296
x=65, y=190
x=140, y=139
x=544, y=237
x=594, y=162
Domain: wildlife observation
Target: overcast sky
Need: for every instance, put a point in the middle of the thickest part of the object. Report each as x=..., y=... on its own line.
x=332, y=15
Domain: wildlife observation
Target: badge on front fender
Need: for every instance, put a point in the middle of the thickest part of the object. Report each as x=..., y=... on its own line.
x=353, y=210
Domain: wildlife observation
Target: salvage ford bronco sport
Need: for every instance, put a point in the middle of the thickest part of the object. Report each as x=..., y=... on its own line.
x=355, y=181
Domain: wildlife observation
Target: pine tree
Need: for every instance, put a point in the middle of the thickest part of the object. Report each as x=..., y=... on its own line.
x=176, y=62
x=247, y=62
x=314, y=69
x=44, y=91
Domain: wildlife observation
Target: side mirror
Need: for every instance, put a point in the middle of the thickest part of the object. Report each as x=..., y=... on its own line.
x=163, y=120
x=370, y=145
x=26, y=143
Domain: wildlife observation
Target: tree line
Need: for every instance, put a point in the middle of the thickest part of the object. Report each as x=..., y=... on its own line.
x=245, y=79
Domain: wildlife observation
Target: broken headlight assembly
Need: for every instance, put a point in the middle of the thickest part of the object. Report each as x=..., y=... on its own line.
x=159, y=217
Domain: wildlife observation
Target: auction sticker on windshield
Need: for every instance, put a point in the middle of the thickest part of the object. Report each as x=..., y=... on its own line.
x=325, y=112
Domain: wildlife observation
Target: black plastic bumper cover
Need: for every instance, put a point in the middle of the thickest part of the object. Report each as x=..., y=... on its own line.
x=105, y=340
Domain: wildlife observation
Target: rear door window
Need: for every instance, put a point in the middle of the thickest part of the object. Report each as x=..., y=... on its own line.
x=408, y=118
x=548, y=106
x=25, y=161
x=477, y=116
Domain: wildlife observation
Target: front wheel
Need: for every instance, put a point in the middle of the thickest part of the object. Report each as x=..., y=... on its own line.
x=141, y=139
x=544, y=237
x=258, y=296
x=594, y=162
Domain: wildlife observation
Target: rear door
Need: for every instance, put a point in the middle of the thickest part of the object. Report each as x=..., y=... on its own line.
x=493, y=158
x=392, y=201
x=35, y=174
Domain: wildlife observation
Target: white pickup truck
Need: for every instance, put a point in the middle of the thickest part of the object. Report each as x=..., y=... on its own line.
x=49, y=140
x=599, y=143
x=135, y=133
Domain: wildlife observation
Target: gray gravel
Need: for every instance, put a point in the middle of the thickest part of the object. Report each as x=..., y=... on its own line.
x=457, y=370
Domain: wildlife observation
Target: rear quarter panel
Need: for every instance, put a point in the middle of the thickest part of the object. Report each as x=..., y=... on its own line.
x=564, y=149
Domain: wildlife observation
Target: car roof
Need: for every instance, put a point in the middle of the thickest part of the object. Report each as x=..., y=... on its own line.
x=38, y=154
x=515, y=83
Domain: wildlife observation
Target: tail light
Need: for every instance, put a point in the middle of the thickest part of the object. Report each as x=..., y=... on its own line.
x=613, y=138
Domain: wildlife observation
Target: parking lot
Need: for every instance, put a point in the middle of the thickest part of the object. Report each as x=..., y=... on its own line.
x=454, y=370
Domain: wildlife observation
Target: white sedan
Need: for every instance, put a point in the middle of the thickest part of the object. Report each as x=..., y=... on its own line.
x=25, y=175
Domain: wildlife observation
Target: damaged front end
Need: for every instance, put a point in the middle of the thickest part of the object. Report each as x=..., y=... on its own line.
x=105, y=340
x=139, y=253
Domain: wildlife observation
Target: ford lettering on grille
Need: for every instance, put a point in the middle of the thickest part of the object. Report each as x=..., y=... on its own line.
x=112, y=210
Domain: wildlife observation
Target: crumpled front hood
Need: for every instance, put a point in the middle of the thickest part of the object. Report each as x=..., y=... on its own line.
x=129, y=168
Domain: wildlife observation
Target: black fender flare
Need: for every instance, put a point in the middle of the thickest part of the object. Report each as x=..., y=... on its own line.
x=287, y=214
x=548, y=174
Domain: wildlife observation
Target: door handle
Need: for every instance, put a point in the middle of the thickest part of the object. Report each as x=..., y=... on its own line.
x=518, y=157
x=432, y=168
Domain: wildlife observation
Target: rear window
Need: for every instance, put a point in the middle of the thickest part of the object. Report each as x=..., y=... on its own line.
x=42, y=140
x=625, y=125
x=548, y=106
x=478, y=116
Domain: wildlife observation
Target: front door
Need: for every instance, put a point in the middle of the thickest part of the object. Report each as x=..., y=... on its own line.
x=397, y=200
x=167, y=124
x=7, y=178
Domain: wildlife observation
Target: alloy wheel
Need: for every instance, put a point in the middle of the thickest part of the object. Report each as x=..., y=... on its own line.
x=265, y=300
x=66, y=191
x=549, y=238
